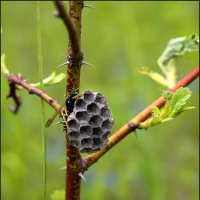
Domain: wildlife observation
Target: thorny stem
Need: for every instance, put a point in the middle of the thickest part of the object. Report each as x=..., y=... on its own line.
x=141, y=117
x=73, y=38
x=74, y=164
x=74, y=58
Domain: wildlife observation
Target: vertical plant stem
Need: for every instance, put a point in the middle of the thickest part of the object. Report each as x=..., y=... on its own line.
x=73, y=181
x=75, y=59
x=40, y=66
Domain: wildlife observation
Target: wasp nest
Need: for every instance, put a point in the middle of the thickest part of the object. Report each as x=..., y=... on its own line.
x=90, y=123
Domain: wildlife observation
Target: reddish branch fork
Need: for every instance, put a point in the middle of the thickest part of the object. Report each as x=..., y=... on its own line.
x=141, y=117
x=124, y=130
x=18, y=80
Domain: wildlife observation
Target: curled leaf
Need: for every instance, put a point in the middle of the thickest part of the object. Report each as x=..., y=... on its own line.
x=175, y=48
x=153, y=75
x=167, y=61
x=51, y=80
x=4, y=69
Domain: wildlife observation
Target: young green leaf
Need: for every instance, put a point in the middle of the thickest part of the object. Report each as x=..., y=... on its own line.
x=175, y=104
x=178, y=101
x=51, y=80
x=167, y=95
x=167, y=62
x=153, y=75
x=156, y=118
x=156, y=115
x=175, y=48
x=4, y=69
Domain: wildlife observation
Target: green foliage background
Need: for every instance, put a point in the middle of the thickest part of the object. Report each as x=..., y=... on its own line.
x=117, y=38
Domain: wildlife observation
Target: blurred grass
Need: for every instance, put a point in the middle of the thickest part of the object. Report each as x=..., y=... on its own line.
x=117, y=38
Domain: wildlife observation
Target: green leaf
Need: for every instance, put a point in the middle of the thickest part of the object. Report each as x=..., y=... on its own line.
x=57, y=79
x=153, y=75
x=153, y=120
x=174, y=105
x=178, y=101
x=51, y=80
x=175, y=48
x=156, y=115
x=188, y=108
x=167, y=61
x=4, y=69
x=167, y=95
x=156, y=111
x=167, y=119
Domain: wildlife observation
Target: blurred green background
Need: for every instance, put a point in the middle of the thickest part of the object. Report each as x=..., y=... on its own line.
x=117, y=38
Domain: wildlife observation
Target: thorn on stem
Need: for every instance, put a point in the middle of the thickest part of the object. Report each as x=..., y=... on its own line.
x=81, y=176
x=56, y=13
x=63, y=168
x=89, y=6
x=132, y=126
x=75, y=62
x=135, y=135
x=86, y=63
x=66, y=63
x=68, y=158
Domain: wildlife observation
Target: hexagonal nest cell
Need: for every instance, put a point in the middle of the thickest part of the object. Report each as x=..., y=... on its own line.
x=90, y=123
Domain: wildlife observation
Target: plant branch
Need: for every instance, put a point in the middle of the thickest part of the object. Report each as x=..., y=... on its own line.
x=15, y=81
x=75, y=47
x=74, y=164
x=12, y=94
x=74, y=61
x=133, y=124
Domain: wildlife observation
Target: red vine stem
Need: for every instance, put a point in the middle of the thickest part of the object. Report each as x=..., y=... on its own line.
x=18, y=80
x=141, y=117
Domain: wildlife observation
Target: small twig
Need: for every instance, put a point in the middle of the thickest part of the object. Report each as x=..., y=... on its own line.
x=18, y=80
x=12, y=94
x=133, y=124
x=75, y=47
